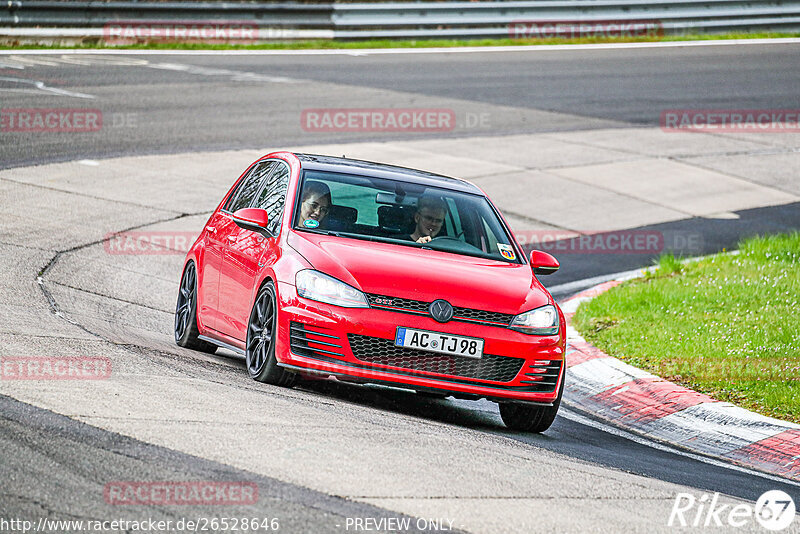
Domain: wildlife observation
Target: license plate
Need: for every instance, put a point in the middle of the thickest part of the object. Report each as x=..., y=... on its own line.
x=470, y=347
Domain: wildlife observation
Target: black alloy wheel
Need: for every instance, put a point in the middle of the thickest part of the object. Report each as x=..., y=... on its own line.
x=260, y=346
x=186, y=332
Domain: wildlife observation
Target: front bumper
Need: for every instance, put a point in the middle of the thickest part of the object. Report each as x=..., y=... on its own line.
x=358, y=344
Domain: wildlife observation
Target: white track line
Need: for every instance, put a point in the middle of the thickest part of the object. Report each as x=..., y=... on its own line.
x=40, y=87
x=374, y=51
x=578, y=285
x=567, y=413
x=586, y=283
x=577, y=418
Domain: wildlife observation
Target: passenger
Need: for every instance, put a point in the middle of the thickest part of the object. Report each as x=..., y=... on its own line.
x=428, y=218
x=315, y=204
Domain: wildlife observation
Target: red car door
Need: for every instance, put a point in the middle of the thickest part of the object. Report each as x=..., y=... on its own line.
x=218, y=232
x=208, y=276
x=248, y=252
x=242, y=263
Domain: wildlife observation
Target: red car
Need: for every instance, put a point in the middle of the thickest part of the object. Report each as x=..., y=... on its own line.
x=376, y=274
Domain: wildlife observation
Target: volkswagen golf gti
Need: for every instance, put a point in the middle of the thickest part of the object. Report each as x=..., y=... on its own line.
x=372, y=273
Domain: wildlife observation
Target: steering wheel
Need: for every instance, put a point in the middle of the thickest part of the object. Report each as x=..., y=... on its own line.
x=461, y=245
x=445, y=238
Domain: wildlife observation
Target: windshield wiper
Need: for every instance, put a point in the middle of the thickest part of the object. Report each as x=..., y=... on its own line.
x=318, y=231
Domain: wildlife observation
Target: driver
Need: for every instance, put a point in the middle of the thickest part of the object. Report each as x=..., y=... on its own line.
x=429, y=219
x=315, y=204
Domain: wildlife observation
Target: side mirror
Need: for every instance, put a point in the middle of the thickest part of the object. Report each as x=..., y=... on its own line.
x=254, y=219
x=543, y=263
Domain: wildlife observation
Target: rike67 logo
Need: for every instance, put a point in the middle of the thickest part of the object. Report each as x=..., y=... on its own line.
x=774, y=510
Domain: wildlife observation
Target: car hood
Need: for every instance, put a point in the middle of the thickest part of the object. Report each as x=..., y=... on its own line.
x=412, y=273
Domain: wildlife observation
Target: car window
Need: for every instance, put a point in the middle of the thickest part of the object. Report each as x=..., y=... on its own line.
x=489, y=235
x=398, y=212
x=452, y=221
x=246, y=192
x=355, y=196
x=272, y=196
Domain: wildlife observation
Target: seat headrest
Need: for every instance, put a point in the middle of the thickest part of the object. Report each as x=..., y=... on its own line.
x=343, y=214
x=395, y=218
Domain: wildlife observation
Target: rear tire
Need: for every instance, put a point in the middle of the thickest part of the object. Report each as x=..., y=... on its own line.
x=529, y=418
x=186, y=331
x=261, y=336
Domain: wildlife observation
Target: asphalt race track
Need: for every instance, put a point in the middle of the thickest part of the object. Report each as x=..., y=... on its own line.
x=176, y=131
x=254, y=101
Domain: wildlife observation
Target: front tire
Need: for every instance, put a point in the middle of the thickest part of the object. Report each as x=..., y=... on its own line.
x=261, y=336
x=528, y=418
x=186, y=331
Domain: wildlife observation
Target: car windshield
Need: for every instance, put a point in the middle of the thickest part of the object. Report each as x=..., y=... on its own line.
x=402, y=213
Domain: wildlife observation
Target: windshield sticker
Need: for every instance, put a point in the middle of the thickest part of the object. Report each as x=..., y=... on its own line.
x=507, y=251
x=310, y=223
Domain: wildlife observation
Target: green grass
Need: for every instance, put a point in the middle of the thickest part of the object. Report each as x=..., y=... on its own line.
x=429, y=43
x=727, y=325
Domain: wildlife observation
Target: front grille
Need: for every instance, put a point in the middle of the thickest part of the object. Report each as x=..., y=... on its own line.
x=481, y=316
x=314, y=341
x=383, y=352
x=419, y=307
x=380, y=301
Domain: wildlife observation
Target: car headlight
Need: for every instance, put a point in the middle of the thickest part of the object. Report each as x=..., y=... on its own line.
x=315, y=285
x=539, y=322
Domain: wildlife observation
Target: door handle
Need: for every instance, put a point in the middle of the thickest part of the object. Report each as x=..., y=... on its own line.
x=231, y=238
x=211, y=229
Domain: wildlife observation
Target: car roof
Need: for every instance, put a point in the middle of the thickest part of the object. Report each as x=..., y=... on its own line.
x=381, y=170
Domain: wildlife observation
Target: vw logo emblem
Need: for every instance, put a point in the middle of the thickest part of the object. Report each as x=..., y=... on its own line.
x=441, y=310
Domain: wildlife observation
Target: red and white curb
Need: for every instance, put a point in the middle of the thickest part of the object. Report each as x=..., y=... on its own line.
x=656, y=408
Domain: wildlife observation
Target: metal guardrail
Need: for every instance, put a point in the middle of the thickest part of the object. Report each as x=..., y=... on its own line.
x=407, y=19
x=22, y=13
